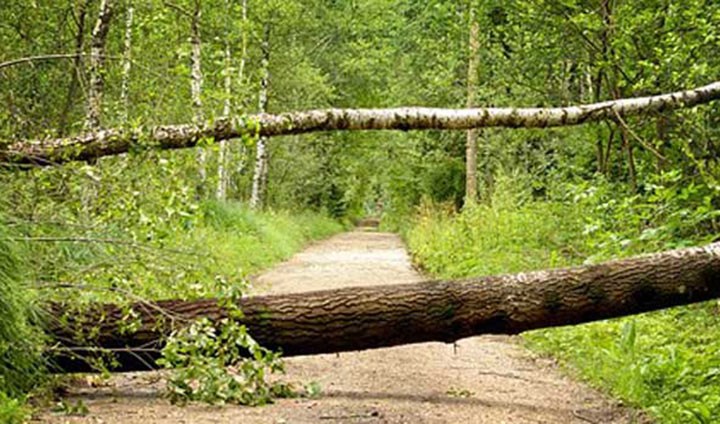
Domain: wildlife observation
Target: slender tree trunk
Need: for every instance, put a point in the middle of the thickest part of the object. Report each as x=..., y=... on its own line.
x=221, y=192
x=607, y=163
x=97, y=65
x=127, y=63
x=257, y=197
x=472, y=134
x=358, y=318
x=605, y=35
x=78, y=68
x=95, y=144
x=240, y=153
x=96, y=88
x=196, y=81
x=630, y=158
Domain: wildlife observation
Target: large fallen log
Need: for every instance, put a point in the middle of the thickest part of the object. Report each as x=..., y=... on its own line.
x=93, y=145
x=372, y=317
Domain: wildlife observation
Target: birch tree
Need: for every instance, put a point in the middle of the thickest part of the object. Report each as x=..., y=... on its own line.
x=196, y=81
x=257, y=196
x=79, y=15
x=472, y=80
x=97, y=61
x=126, y=64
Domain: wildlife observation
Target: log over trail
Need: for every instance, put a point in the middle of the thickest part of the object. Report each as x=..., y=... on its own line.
x=358, y=318
x=106, y=142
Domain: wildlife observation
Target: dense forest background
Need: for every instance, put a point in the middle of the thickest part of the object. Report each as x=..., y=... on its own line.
x=158, y=224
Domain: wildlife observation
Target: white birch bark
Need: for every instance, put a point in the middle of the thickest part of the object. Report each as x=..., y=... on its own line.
x=94, y=144
x=97, y=62
x=221, y=192
x=126, y=64
x=196, y=81
x=260, y=175
x=240, y=155
x=472, y=133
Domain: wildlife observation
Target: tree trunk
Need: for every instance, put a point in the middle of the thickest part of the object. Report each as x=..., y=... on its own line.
x=196, y=81
x=472, y=134
x=257, y=197
x=97, y=68
x=95, y=144
x=239, y=152
x=126, y=62
x=358, y=318
x=221, y=192
x=78, y=67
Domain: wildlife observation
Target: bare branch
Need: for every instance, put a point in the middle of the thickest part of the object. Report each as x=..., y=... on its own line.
x=44, y=57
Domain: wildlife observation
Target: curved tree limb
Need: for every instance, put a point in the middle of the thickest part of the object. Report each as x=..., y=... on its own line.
x=96, y=144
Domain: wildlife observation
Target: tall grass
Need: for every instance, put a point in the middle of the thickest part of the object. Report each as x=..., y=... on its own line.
x=20, y=340
x=666, y=362
x=201, y=256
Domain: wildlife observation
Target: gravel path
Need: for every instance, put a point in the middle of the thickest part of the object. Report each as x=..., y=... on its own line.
x=478, y=380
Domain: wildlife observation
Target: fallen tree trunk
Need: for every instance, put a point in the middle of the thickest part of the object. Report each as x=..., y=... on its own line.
x=371, y=317
x=96, y=144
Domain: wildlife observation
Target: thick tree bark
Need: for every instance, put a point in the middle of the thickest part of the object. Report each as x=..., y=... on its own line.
x=257, y=197
x=472, y=134
x=358, y=318
x=97, y=65
x=92, y=145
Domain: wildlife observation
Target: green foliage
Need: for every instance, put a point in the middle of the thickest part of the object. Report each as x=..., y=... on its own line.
x=68, y=408
x=20, y=341
x=665, y=362
x=134, y=226
x=511, y=235
x=221, y=363
x=13, y=409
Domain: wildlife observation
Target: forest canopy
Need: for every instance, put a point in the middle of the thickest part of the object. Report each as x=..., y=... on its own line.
x=103, y=93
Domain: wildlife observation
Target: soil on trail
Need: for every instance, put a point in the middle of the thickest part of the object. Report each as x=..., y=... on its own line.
x=488, y=379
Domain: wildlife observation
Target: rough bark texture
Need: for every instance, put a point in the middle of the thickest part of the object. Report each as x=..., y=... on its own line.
x=371, y=317
x=97, y=65
x=96, y=144
x=472, y=134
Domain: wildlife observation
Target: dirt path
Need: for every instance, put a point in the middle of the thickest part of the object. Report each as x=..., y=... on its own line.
x=480, y=380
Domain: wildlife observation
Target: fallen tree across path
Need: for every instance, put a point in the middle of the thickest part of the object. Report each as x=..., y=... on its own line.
x=96, y=144
x=371, y=317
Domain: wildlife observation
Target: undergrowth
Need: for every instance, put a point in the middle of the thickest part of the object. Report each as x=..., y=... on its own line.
x=20, y=340
x=189, y=257
x=196, y=250
x=666, y=362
